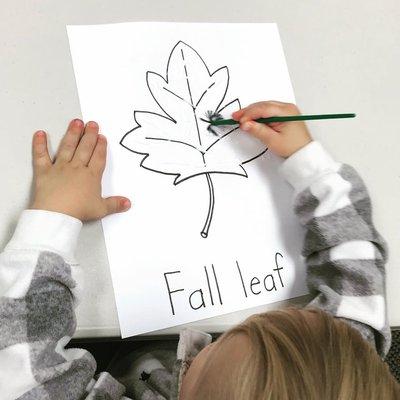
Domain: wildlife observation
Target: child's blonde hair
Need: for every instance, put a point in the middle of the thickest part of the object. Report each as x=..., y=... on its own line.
x=301, y=354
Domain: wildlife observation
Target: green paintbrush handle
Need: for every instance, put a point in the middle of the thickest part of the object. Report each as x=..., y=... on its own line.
x=285, y=118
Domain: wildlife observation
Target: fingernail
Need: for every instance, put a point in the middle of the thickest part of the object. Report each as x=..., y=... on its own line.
x=92, y=124
x=40, y=142
x=77, y=122
x=246, y=126
x=126, y=204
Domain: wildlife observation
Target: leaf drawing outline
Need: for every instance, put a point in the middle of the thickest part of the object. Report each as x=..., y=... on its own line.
x=178, y=142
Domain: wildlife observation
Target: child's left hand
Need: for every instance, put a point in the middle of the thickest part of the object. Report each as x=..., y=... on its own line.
x=71, y=184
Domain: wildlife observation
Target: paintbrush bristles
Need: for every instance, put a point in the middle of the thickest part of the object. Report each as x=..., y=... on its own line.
x=211, y=117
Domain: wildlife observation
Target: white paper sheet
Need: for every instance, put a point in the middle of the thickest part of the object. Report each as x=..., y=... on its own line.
x=211, y=229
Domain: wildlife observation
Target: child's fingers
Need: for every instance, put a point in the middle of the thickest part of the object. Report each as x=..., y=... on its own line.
x=85, y=148
x=98, y=159
x=263, y=109
x=40, y=153
x=260, y=131
x=116, y=204
x=238, y=114
x=70, y=141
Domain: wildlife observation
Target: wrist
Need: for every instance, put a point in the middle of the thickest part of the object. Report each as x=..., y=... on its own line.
x=295, y=147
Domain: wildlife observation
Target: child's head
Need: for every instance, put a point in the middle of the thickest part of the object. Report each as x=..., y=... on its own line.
x=289, y=354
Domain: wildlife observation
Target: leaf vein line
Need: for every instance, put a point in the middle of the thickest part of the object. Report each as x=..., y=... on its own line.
x=173, y=141
x=187, y=77
x=170, y=91
x=205, y=93
x=191, y=99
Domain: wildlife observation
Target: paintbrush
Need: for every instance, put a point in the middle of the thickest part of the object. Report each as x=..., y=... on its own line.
x=215, y=119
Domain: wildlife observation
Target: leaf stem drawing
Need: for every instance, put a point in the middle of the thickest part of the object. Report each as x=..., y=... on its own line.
x=177, y=141
x=206, y=227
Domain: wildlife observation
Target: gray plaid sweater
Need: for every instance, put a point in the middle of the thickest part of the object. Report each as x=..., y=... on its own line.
x=345, y=258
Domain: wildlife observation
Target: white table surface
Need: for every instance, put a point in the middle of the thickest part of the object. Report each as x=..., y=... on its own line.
x=342, y=56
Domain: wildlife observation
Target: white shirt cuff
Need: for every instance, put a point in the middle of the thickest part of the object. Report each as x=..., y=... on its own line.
x=307, y=165
x=48, y=231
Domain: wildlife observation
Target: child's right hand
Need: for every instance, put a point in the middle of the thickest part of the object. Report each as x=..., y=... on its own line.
x=282, y=138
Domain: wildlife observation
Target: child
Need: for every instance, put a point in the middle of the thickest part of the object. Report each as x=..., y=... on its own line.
x=329, y=350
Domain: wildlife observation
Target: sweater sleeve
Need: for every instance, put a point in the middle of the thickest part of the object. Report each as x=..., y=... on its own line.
x=37, y=319
x=344, y=253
